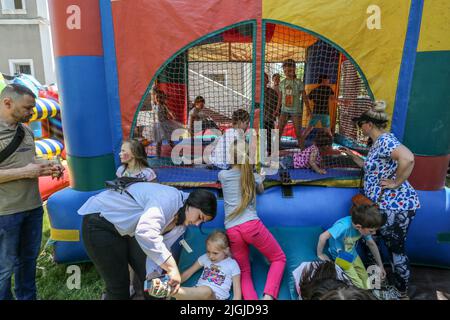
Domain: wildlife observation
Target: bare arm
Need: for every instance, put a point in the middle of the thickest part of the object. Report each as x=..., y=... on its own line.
x=306, y=99
x=190, y=271
x=237, y=292
x=312, y=162
x=359, y=161
x=376, y=254
x=405, y=159
x=321, y=244
x=259, y=188
x=30, y=171
x=170, y=266
x=277, y=113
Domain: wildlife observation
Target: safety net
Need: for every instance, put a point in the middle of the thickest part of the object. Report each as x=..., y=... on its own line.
x=308, y=90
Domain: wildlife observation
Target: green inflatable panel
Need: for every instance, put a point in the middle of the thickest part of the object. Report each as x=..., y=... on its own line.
x=427, y=130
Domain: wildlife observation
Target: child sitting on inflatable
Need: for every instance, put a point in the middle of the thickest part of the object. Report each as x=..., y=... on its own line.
x=342, y=238
x=220, y=273
x=134, y=164
x=311, y=157
x=134, y=161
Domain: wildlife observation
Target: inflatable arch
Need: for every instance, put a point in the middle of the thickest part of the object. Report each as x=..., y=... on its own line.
x=108, y=61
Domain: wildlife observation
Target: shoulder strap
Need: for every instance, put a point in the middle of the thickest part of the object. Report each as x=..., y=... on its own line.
x=14, y=144
x=120, y=184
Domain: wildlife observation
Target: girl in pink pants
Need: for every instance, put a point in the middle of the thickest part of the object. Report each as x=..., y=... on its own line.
x=239, y=185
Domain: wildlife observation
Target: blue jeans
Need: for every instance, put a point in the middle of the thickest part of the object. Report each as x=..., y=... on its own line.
x=20, y=242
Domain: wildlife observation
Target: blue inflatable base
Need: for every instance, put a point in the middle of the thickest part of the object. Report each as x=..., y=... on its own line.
x=310, y=206
x=299, y=245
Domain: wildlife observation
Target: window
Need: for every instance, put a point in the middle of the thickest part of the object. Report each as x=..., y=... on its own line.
x=217, y=77
x=21, y=66
x=13, y=7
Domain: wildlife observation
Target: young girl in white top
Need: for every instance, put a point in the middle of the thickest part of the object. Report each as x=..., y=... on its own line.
x=220, y=273
x=134, y=161
x=239, y=186
x=134, y=164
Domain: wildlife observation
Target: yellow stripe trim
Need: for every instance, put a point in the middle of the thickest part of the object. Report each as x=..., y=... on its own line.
x=46, y=147
x=64, y=235
x=44, y=109
x=55, y=145
x=53, y=107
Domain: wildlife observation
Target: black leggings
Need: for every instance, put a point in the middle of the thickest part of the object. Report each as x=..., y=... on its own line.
x=111, y=254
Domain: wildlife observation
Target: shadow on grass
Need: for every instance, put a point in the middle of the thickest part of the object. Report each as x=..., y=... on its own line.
x=52, y=278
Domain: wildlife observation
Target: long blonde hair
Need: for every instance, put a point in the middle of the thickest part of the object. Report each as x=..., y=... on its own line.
x=247, y=181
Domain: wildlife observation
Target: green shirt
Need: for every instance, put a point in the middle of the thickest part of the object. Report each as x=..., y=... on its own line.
x=291, y=96
x=23, y=194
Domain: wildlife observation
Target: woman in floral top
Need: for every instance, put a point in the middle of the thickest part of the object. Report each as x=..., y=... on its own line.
x=386, y=170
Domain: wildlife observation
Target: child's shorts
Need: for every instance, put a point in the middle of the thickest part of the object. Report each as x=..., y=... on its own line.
x=323, y=118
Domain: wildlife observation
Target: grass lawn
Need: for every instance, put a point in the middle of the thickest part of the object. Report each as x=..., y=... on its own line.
x=51, y=278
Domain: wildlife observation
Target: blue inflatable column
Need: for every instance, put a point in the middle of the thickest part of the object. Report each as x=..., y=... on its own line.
x=86, y=118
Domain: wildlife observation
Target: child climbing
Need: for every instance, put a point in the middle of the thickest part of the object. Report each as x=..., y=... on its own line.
x=342, y=237
x=243, y=227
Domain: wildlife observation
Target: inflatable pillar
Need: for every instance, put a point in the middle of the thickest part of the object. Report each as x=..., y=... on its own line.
x=77, y=39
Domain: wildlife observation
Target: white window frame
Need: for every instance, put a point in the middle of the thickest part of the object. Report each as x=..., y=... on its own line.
x=14, y=11
x=13, y=62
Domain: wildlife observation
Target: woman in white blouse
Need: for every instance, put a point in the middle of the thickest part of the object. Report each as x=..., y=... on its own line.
x=119, y=230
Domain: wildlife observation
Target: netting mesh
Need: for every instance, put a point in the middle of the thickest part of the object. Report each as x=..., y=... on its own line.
x=311, y=92
x=353, y=100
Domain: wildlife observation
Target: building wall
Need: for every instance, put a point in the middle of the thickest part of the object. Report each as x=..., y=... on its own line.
x=223, y=99
x=21, y=42
x=21, y=38
x=30, y=7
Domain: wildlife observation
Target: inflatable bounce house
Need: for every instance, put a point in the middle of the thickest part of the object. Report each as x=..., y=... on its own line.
x=111, y=54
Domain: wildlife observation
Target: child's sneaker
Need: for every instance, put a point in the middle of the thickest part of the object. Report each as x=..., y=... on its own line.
x=389, y=293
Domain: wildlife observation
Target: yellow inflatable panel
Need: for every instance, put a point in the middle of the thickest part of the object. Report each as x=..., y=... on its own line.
x=64, y=235
x=435, y=27
x=378, y=52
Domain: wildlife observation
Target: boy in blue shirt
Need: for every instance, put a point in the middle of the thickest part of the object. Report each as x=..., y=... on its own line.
x=342, y=238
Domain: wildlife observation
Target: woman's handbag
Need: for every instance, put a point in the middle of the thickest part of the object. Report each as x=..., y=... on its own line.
x=120, y=184
x=360, y=200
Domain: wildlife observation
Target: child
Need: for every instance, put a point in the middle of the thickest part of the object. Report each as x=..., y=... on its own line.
x=243, y=227
x=311, y=156
x=220, y=153
x=323, y=98
x=134, y=164
x=292, y=93
x=165, y=123
x=134, y=161
x=314, y=277
x=343, y=235
x=220, y=272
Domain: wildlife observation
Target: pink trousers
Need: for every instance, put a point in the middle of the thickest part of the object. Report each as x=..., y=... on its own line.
x=255, y=233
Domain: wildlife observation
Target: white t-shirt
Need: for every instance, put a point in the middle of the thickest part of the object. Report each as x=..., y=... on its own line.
x=232, y=197
x=218, y=275
x=220, y=155
x=153, y=208
x=146, y=173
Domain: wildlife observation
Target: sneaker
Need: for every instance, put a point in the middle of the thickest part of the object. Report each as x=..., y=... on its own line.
x=390, y=293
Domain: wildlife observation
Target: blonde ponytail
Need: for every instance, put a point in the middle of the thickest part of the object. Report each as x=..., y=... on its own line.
x=247, y=180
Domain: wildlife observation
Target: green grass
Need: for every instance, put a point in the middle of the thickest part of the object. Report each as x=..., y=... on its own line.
x=51, y=278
